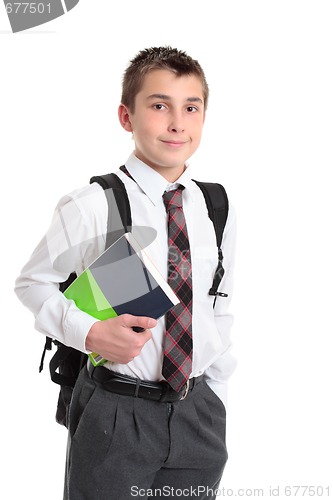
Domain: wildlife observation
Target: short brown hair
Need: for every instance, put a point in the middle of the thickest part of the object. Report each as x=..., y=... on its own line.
x=159, y=58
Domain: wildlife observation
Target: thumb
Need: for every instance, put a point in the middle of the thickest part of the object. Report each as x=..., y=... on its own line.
x=142, y=322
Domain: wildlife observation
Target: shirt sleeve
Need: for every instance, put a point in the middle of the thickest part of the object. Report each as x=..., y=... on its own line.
x=221, y=369
x=74, y=239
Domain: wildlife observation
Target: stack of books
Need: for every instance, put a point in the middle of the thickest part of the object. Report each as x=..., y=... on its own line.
x=121, y=280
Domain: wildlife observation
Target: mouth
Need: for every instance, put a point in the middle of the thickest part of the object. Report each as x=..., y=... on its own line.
x=174, y=144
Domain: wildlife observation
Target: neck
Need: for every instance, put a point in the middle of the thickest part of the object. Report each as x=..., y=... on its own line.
x=171, y=174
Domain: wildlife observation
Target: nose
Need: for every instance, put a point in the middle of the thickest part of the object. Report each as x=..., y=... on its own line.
x=176, y=123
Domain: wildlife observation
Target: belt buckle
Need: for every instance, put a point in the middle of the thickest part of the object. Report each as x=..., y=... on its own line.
x=187, y=387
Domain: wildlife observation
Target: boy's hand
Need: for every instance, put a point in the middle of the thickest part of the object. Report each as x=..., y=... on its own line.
x=115, y=340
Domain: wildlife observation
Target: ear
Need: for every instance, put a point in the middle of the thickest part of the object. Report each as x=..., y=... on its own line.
x=124, y=118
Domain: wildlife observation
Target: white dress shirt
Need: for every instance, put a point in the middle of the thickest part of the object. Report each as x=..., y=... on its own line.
x=76, y=237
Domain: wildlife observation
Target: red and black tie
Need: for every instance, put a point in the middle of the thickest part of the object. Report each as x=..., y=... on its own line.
x=177, y=362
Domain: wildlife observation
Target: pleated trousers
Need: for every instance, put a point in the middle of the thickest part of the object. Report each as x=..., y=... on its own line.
x=122, y=447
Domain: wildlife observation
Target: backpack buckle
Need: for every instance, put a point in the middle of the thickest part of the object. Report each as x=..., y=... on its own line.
x=220, y=294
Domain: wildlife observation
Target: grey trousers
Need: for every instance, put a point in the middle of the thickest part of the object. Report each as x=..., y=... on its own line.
x=121, y=447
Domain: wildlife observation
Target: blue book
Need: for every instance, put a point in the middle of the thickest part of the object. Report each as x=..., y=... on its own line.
x=121, y=280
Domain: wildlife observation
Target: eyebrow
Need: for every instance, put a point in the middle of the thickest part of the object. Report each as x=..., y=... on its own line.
x=165, y=97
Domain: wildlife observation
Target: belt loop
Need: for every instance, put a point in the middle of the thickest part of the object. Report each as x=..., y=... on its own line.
x=163, y=398
x=137, y=386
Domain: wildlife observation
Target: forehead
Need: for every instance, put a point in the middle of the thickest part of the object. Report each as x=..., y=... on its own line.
x=162, y=81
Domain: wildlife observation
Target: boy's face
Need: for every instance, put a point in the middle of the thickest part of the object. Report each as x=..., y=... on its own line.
x=167, y=121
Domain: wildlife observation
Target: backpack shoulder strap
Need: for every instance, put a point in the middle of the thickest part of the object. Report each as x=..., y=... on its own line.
x=114, y=188
x=218, y=207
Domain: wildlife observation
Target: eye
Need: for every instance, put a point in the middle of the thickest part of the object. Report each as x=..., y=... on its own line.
x=159, y=106
x=191, y=109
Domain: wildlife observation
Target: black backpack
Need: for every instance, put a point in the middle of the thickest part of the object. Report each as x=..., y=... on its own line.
x=67, y=362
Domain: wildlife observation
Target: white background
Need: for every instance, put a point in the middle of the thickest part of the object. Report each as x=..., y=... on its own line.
x=268, y=139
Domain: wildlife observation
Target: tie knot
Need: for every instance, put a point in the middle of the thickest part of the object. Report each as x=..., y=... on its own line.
x=173, y=198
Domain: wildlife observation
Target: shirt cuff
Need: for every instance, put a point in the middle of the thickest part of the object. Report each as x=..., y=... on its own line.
x=77, y=328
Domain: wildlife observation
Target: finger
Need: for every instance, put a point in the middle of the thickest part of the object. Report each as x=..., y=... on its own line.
x=145, y=336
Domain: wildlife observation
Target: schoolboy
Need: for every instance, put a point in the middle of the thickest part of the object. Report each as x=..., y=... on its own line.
x=121, y=446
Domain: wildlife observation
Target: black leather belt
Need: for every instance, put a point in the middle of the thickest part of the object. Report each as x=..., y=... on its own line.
x=130, y=386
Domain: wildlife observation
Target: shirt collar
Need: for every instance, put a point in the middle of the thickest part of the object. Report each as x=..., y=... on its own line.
x=154, y=184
